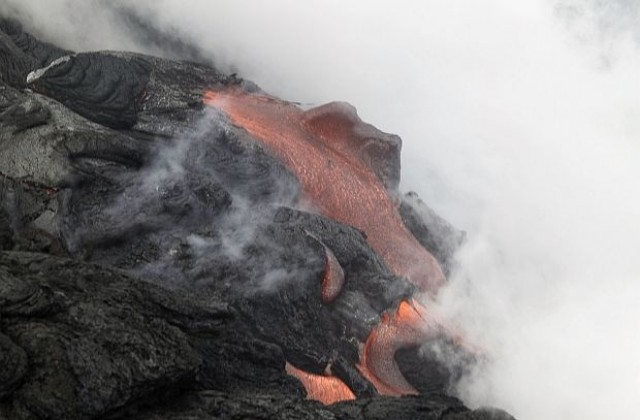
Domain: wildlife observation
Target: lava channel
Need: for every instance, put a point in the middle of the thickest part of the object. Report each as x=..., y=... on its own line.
x=326, y=148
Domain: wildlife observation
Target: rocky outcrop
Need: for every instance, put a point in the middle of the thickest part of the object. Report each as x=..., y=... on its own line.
x=83, y=341
x=21, y=53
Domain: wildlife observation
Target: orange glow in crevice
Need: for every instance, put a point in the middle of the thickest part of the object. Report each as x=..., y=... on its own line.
x=329, y=149
x=326, y=389
x=333, y=279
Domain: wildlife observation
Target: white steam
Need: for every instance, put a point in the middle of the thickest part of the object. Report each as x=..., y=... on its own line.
x=521, y=125
x=221, y=239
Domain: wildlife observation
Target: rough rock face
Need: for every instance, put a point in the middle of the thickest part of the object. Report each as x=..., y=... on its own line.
x=156, y=261
x=208, y=405
x=21, y=53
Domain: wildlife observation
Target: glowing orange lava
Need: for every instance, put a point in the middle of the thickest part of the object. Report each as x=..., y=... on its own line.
x=328, y=149
x=326, y=389
x=411, y=325
x=333, y=277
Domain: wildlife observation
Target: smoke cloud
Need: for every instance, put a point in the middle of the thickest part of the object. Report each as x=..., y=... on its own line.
x=521, y=125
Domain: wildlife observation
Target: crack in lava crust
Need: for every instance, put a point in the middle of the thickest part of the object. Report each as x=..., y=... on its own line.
x=326, y=149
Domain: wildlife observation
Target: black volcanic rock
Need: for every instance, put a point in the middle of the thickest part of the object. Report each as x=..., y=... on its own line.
x=370, y=289
x=97, y=340
x=154, y=262
x=21, y=53
x=101, y=87
x=208, y=405
x=434, y=233
x=13, y=362
x=149, y=95
x=45, y=143
x=436, y=407
x=42, y=53
x=15, y=63
x=6, y=232
x=91, y=346
x=86, y=341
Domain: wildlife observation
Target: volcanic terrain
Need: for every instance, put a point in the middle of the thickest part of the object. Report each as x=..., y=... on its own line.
x=177, y=243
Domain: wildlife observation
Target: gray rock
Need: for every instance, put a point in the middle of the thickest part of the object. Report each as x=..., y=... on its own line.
x=42, y=53
x=14, y=63
x=217, y=405
x=93, y=342
x=44, y=143
x=6, y=231
x=13, y=366
x=433, y=232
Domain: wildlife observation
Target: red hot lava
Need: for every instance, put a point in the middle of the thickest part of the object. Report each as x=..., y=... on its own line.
x=324, y=388
x=410, y=325
x=326, y=148
x=332, y=153
x=333, y=277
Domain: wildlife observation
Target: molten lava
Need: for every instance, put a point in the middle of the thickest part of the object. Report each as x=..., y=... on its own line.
x=328, y=149
x=377, y=363
x=411, y=325
x=326, y=389
x=333, y=277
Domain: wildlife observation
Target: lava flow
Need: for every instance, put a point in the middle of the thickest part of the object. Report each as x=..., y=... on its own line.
x=335, y=156
x=326, y=389
x=411, y=325
x=329, y=150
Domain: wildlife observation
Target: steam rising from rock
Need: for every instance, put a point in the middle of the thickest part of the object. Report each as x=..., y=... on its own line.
x=513, y=129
